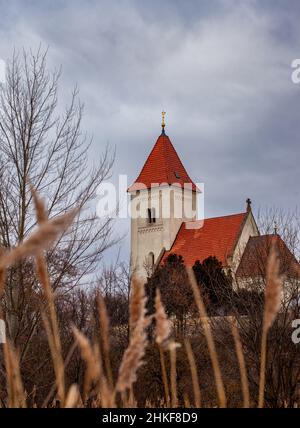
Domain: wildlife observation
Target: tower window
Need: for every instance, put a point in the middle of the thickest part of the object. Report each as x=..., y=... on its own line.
x=151, y=260
x=151, y=215
x=177, y=175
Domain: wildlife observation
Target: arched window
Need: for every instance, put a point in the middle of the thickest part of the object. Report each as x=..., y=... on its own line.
x=151, y=260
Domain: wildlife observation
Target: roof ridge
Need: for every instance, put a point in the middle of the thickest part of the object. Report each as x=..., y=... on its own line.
x=237, y=238
x=165, y=156
x=219, y=216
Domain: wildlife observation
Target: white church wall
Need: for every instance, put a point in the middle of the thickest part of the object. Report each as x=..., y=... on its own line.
x=172, y=207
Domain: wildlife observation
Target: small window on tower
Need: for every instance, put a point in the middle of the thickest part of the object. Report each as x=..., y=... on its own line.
x=151, y=215
x=177, y=175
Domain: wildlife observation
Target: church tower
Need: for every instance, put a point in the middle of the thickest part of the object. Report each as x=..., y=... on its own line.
x=162, y=197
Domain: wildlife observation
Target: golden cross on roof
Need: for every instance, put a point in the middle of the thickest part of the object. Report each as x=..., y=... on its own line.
x=163, y=124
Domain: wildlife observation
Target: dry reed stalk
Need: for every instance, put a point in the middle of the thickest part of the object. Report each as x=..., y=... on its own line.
x=2, y=276
x=104, y=334
x=186, y=400
x=162, y=335
x=2, y=282
x=173, y=374
x=73, y=397
x=194, y=373
x=163, y=324
x=242, y=364
x=58, y=364
x=209, y=338
x=134, y=354
x=16, y=394
x=40, y=240
x=106, y=394
x=92, y=372
x=131, y=403
x=66, y=363
x=273, y=292
x=164, y=376
x=136, y=303
x=52, y=325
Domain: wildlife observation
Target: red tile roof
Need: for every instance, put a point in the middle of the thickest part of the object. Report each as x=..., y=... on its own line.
x=217, y=237
x=255, y=257
x=162, y=166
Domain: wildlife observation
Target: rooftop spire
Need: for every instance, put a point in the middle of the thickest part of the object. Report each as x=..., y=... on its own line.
x=248, y=206
x=163, y=124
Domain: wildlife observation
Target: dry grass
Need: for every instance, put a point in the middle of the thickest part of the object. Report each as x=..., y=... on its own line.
x=173, y=374
x=242, y=364
x=194, y=373
x=99, y=389
x=104, y=334
x=209, y=338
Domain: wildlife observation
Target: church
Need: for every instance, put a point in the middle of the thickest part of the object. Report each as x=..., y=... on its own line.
x=161, y=226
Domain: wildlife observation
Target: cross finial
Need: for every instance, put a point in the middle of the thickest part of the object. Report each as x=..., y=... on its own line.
x=275, y=228
x=248, y=202
x=163, y=124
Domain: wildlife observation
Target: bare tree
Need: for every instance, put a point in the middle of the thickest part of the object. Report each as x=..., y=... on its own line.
x=114, y=285
x=47, y=147
x=284, y=222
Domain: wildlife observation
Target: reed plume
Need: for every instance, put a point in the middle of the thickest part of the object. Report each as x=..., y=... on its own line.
x=40, y=240
x=163, y=324
x=273, y=293
x=134, y=354
x=40, y=208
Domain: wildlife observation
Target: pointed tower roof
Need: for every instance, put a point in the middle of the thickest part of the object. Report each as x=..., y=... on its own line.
x=163, y=166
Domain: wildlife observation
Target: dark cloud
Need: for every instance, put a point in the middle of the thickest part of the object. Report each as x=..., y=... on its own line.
x=221, y=69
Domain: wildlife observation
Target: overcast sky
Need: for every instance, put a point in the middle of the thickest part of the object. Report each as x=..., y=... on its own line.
x=221, y=70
